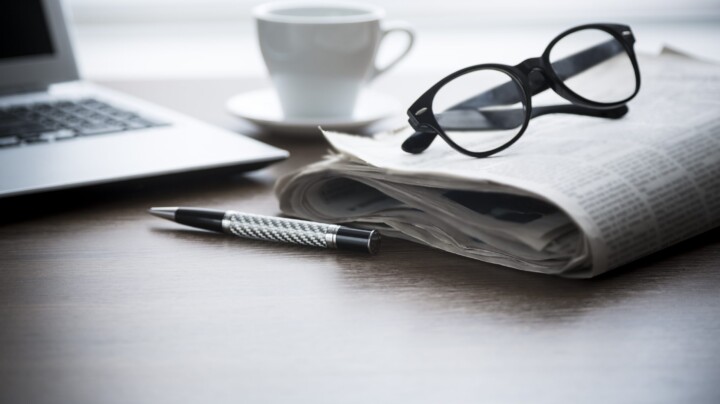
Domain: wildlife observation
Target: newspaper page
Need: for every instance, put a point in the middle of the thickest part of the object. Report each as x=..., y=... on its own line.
x=576, y=196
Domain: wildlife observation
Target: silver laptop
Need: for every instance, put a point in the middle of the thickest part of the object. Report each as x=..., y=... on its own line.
x=59, y=132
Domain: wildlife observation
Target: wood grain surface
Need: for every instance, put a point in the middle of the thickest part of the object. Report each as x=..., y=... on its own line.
x=102, y=303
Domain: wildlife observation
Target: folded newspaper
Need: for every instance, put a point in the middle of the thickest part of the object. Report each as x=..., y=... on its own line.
x=575, y=197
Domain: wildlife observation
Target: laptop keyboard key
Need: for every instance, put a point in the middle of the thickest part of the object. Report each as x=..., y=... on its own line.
x=26, y=129
x=136, y=124
x=64, y=134
x=98, y=129
x=9, y=122
x=8, y=141
x=37, y=139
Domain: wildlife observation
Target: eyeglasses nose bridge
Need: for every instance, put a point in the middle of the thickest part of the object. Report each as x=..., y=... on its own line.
x=529, y=65
x=540, y=72
x=535, y=71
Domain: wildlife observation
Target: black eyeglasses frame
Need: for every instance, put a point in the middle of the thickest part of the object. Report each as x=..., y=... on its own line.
x=422, y=117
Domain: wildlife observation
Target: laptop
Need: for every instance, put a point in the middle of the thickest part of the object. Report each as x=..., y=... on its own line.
x=59, y=132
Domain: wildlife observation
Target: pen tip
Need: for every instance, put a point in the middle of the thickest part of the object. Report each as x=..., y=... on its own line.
x=165, y=213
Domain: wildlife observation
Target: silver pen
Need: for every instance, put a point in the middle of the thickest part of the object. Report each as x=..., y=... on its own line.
x=269, y=228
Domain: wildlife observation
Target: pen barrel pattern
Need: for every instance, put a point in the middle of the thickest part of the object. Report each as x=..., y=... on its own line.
x=278, y=229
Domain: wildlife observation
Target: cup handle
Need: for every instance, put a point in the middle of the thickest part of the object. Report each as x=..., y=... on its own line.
x=387, y=29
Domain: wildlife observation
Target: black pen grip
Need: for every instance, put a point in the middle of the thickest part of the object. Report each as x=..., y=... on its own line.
x=347, y=238
x=208, y=219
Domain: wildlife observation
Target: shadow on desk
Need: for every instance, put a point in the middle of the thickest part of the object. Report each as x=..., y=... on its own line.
x=435, y=279
x=113, y=195
x=427, y=274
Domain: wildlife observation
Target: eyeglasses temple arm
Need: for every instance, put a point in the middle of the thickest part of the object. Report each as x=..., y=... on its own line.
x=613, y=113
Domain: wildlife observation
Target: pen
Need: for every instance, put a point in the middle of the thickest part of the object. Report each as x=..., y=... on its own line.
x=269, y=228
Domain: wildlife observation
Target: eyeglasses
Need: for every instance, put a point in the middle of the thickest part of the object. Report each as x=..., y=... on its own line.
x=483, y=109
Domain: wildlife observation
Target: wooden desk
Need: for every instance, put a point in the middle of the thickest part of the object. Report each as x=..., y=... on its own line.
x=102, y=303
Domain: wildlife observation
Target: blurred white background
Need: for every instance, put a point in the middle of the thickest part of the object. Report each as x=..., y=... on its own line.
x=439, y=13
x=208, y=38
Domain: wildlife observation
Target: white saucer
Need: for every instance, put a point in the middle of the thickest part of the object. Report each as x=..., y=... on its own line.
x=262, y=108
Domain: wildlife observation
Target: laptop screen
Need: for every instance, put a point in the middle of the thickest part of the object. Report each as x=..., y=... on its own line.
x=23, y=29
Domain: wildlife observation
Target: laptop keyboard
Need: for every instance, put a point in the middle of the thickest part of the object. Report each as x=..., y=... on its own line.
x=62, y=120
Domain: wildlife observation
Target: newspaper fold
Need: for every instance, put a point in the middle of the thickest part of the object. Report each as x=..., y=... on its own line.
x=576, y=196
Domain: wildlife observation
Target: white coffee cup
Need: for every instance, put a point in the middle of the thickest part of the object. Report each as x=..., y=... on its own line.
x=321, y=54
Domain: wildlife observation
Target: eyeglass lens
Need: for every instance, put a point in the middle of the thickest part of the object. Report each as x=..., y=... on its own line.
x=485, y=122
x=594, y=65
